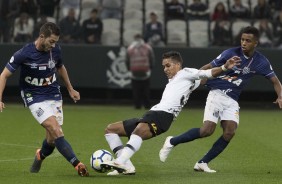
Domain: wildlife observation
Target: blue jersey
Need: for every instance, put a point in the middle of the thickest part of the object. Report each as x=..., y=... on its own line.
x=38, y=81
x=233, y=81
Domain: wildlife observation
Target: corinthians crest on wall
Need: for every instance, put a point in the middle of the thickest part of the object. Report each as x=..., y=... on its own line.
x=118, y=74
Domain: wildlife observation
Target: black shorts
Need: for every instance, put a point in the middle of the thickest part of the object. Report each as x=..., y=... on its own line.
x=158, y=121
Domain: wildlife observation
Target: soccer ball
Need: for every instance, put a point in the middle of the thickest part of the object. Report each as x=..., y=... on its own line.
x=99, y=157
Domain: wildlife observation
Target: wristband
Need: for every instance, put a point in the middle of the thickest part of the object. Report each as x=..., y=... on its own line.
x=223, y=68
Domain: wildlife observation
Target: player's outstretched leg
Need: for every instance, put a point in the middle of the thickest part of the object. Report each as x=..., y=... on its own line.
x=216, y=149
x=116, y=146
x=166, y=149
x=36, y=165
x=40, y=155
x=65, y=149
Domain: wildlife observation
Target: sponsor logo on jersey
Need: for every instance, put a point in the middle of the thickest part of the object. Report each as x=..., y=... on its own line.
x=28, y=95
x=33, y=65
x=226, y=91
x=29, y=99
x=42, y=68
x=40, y=81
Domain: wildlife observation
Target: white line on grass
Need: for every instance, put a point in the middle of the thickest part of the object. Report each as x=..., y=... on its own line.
x=56, y=154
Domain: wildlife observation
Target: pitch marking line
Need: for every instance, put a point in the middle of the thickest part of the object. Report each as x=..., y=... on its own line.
x=54, y=155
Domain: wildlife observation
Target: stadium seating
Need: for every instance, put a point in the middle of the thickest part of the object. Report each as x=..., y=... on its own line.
x=237, y=26
x=213, y=3
x=133, y=5
x=132, y=14
x=128, y=36
x=176, y=33
x=111, y=38
x=111, y=24
x=198, y=33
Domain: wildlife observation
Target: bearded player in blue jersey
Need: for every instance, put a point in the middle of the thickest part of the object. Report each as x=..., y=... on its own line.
x=39, y=62
x=222, y=101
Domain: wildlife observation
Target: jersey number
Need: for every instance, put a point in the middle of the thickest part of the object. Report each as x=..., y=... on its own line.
x=237, y=82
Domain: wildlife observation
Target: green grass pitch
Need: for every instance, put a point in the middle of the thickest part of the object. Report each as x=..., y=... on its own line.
x=253, y=157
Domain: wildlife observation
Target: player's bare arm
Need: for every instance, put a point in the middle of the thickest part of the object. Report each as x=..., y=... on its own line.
x=3, y=79
x=62, y=71
x=205, y=67
x=278, y=90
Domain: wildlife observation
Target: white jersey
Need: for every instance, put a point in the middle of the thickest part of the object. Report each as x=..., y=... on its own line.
x=179, y=88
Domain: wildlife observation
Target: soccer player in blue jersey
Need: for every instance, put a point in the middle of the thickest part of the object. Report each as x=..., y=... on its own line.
x=222, y=101
x=39, y=62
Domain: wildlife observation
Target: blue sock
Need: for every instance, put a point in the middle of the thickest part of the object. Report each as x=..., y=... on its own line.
x=65, y=149
x=46, y=149
x=188, y=136
x=216, y=149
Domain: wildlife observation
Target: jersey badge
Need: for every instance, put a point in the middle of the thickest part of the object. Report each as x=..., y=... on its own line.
x=51, y=63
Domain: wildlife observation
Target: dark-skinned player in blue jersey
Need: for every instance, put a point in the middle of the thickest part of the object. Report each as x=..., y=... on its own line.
x=222, y=101
x=40, y=61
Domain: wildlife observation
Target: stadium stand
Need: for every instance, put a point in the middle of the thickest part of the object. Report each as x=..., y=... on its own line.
x=176, y=33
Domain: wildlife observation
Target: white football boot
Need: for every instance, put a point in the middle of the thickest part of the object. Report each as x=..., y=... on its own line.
x=203, y=167
x=166, y=149
x=129, y=170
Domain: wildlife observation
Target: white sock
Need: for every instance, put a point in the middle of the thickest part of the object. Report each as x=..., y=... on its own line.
x=114, y=141
x=135, y=141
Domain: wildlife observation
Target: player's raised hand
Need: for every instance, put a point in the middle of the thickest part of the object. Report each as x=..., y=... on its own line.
x=2, y=106
x=279, y=102
x=74, y=95
x=234, y=61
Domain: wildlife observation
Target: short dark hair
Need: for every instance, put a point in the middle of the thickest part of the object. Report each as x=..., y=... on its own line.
x=251, y=30
x=174, y=55
x=49, y=28
x=94, y=10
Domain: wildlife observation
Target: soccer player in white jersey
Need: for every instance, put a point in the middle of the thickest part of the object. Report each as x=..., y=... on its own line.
x=159, y=118
x=221, y=104
x=39, y=62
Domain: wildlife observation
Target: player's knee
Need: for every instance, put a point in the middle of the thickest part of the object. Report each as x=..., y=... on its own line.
x=228, y=135
x=57, y=132
x=207, y=129
x=108, y=129
x=112, y=128
x=206, y=132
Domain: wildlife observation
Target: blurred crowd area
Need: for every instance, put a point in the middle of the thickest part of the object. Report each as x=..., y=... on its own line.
x=188, y=23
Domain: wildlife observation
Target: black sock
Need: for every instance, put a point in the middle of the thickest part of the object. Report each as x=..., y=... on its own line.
x=46, y=149
x=188, y=136
x=216, y=149
x=65, y=149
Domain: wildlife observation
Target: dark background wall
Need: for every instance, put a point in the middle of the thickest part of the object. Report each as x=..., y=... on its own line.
x=99, y=72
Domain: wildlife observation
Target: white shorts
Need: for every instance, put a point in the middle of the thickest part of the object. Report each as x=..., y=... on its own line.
x=220, y=106
x=43, y=110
